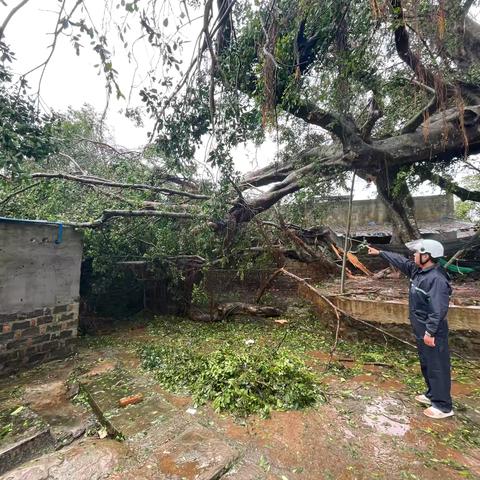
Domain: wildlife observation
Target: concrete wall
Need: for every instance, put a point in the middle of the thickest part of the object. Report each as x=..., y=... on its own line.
x=392, y=316
x=433, y=208
x=39, y=293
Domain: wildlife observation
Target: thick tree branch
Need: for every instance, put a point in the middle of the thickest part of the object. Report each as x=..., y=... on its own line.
x=445, y=141
x=109, y=183
x=341, y=126
x=450, y=186
x=111, y=214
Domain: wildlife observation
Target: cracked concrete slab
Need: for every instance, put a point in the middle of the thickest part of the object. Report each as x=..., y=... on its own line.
x=195, y=454
x=88, y=459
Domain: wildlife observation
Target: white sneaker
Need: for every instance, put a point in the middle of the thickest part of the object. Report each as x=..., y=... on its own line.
x=424, y=400
x=437, y=414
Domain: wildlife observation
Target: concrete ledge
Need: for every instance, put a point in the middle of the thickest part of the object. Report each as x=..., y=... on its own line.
x=393, y=312
x=25, y=449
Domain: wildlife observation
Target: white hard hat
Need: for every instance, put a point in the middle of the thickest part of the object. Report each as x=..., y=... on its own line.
x=434, y=248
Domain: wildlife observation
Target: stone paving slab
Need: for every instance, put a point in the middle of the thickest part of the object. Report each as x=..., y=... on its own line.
x=51, y=400
x=195, y=454
x=24, y=435
x=104, y=392
x=86, y=460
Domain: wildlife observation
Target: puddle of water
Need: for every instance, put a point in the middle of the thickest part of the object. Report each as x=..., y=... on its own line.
x=379, y=416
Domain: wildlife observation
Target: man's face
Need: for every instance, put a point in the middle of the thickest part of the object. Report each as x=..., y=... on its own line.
x=419, y=257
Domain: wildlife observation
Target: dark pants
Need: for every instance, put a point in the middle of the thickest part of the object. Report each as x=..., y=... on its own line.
x=435, y=365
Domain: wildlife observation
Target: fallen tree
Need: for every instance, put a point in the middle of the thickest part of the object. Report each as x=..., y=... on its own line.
x=324, y=73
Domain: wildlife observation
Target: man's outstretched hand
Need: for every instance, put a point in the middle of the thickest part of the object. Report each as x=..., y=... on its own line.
x=373, y=251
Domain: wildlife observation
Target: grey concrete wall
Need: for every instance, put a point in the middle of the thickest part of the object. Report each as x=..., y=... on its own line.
x=39, y=292
x=428, y=209
x=35, y=272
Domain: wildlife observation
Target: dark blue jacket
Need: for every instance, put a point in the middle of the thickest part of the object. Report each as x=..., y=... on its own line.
x=429, y=296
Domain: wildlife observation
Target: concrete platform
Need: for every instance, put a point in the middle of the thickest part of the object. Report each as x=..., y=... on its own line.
x=104, y=392
x=24, y=436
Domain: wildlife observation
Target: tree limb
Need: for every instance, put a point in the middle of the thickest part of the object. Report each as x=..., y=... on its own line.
x=12, y=12
x=375, y=113
x=109, y=183
x=450, y=186
x=341, y=126
x=17, y=192
x=108, y=215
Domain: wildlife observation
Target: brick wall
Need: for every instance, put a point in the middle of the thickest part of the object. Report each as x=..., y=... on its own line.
x=228, y=285
x=39, y=293
x=33, y=337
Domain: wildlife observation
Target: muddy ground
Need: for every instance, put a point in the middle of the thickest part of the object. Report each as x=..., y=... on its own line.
x=62, y=419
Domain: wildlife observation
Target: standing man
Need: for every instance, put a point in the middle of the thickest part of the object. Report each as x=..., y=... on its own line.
x=428, y=305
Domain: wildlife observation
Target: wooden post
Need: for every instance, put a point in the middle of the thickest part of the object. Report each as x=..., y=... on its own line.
x=347, y=235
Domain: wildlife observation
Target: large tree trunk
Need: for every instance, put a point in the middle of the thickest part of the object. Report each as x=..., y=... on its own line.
x=396, y=197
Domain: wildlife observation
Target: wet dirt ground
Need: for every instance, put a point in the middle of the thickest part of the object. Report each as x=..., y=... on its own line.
x=369, y=426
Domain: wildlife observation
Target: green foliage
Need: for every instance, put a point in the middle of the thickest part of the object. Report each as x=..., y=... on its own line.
x=241, y=382
x=200, y=295
x=469, y=210
x=175, y=369
x=257, y=381
x=24, y=133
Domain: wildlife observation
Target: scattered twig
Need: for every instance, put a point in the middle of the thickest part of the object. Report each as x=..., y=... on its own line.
x=352, y=360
